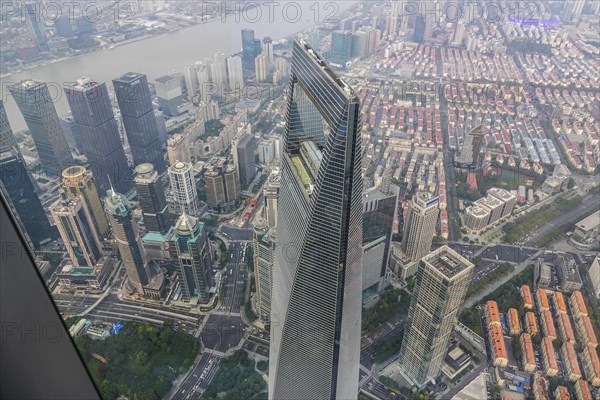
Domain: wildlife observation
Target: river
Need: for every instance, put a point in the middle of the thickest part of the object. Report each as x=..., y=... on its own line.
x=168, y=52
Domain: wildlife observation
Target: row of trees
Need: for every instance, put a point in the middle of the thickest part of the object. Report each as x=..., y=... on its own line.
x=236, y=379
x=391, y=303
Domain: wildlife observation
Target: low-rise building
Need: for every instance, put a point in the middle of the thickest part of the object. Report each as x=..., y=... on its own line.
x=548, y=357
x=591, y=365
x=455, y=362
x=565, y=329
x=594, y=274
x=527, y=297
x=582, y=390
x=492, y=316
x=561, y=393
x=585, y=331
x=528, y=357
x=498, y=346
x=531, y=323
x=559, y=303
x=542, y=274
x=513, y=321
x=571, y=362
x=578, y=304
x=540, y=387
x=587, y=232
x=548, y=324
x=542, y=300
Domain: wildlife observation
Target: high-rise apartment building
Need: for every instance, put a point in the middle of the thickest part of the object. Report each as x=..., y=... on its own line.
x=267, y=48
x=169, y=94
x=443, y=278
x=7, y=137
x=77, y=231
x=263, y=245
x=143, y=134
x=242, y=149
x=19, y=187
x=190, y=77
x=151, y=195
x=93, y=113
x=128, y=239
x=37, y=107
x=317, y=280
x=419, y=226
x=78, y=183
x=183, y=188
x=235, y=74
x=191, y=247
x=178, y=149
x=261, y=67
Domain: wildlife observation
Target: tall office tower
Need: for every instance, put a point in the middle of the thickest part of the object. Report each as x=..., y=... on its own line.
x=77, y=183
x=419, y=227
x=151, y=194
x=7, y=138
x=423, y=28
x=72, y=134
x=576, y=7
x=263, y=246
x=143, y=135
x=190, y=76
x=162, y=127
x=37, y=107
x=169, y=94
x=63, y=26
x=190, y=246
x=443, y=278
x=242, y=149
x=267, y=49
x=316, y=304
x=77, y=231
x=261, y=67
x=235, y=73
x=19, y=187
x=341, y=47
x=92, y=112
x=233, y=190
x=379, y=209
x=271, y=194
x=128, y=239
x=35, y=22
x=250, y=49
x=183, y=187
x=215, y=188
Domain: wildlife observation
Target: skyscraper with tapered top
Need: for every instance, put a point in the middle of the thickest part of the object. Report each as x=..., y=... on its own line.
x=317, y=278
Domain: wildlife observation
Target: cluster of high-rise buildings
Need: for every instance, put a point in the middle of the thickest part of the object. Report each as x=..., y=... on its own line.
x=487, y=211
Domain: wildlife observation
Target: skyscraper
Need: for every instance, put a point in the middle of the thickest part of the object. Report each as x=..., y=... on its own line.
x=151, y=194
x=35, y=22
x=443, y=278
x=379, y=210
x=37, y=107
x=341, y=47
x=233, y=190
x=222, y=188
x=419, y=227
x=250, y=49
x=190, y=246
x=423, y=28
x=169, y=94
x=183, y=188
x=215, y=188
x=235, y=73
x=267, y=48
x=316, y=303
x=261, y=67
x=271, y=195
x=77, y=183
x=242, y=149
x=128, y=240
x=77, y=231
x=191, y=80
x=263, y=245
x=95, y=119
x=19, y=186
x=143, y=135
x=7, y=138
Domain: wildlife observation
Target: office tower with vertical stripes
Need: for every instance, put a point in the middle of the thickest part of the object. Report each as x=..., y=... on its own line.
x=443, y=278
x=151, y=195
x=317, y=278
x=419, y=226
x=37, y=107
x=143, y=134
x=93, y=113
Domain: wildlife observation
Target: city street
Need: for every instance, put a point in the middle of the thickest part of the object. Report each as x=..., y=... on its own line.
x=197, y=381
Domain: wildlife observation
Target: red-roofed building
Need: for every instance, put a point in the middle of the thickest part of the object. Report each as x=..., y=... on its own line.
x=531, y=323
x=542, y=300
x=571, y=363
x=548, y=324
x=527, y=298
x=528, y=357
x=559, y=303
x=561, y=393
x=540, y=387
x=513, y=321
x=578, y=304
x=585, y=331
x=582, y=390
x=565, y=328
x=492, y=315
x=591, y=364
x=496, y=339
x=549, y=357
